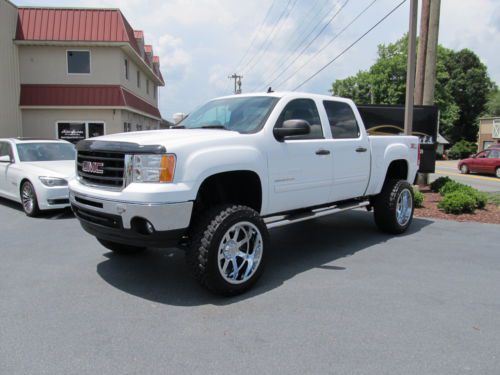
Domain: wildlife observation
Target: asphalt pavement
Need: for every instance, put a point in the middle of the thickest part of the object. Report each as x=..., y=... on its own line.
x=482, y=182
x=337, y=297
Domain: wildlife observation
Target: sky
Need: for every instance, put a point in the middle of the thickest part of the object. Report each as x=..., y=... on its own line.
x=202, y=42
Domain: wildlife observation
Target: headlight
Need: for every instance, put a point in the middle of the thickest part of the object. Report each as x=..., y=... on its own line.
x=153, y=168
x=53, y=181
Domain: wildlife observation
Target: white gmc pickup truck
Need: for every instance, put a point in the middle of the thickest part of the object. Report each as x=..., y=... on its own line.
x=234, y=168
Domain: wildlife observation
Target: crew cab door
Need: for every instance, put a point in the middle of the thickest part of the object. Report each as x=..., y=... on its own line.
x=351, y=151
x=300, y=173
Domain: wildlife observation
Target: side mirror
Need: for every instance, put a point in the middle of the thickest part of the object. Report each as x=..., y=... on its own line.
x=291, y=128
x=5, y=159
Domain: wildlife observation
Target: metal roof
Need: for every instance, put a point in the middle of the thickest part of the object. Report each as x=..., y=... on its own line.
x=78, y=25
x=83, y=96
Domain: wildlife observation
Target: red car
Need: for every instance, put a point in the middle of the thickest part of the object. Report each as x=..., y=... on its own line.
x=487, y=161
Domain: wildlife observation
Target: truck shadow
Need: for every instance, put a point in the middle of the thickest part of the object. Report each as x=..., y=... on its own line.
x=162, y=276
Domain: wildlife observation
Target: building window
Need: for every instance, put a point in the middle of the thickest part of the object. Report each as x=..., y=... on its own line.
x=139, y=79
x=76, y=131
x=126, y=68
x=138, y=127
x=496, y=129
x=147, y=86
x=127, y=127
x=78, y=62
x=154, y=91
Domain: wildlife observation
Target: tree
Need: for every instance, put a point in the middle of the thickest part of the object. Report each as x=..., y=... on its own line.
x=462, y=86
x=493, y=105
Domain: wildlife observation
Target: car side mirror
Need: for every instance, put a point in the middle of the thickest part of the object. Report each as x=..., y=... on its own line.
x=291, y=128
x=5, y=159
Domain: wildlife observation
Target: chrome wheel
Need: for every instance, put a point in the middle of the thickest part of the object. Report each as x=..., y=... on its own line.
x=464, y=169
x=498, y=172
x=240, y=252
x=28, y=198
x=404, y=207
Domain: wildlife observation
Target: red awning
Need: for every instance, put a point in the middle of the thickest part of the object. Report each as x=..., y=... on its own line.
x=84, y=96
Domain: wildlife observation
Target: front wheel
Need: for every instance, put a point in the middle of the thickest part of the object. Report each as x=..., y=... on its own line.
x=393, y=207
x=227, y=249
x=119, y=248
x=497, y=172
x=29, y=200
x=464, y=169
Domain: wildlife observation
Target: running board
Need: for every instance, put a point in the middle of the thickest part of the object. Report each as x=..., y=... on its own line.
x=279, y=221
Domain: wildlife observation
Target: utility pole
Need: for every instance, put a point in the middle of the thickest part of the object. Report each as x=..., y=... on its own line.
x=431, y=57
x=237, y=82
x=422, y=52
x=410, y=75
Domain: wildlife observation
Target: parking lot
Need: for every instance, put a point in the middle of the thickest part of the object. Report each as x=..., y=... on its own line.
x=342, y=299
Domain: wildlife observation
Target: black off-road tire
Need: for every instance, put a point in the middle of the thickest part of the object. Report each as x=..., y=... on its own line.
x=204, y=240
x=385, y=203
x=119, y=248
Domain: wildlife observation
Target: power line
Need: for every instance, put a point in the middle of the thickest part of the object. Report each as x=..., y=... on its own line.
x=350, y=46
x=251, y=64
x=363, y=11
x=299, y=34
x=310, y=42
x=254, y=38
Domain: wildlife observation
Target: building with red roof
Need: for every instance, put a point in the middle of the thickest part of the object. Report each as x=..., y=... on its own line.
x=86, y=70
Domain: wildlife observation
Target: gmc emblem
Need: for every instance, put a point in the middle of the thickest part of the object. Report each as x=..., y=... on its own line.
x=92, y=167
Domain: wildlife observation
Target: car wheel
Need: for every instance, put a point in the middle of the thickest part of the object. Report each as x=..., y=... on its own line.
x=227, y=249
x=28, y=199
x=119, y=248
x=464, y=169
x=497, y=172
x=393, y=207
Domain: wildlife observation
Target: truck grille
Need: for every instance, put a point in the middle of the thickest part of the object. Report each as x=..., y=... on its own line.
x=101, y=168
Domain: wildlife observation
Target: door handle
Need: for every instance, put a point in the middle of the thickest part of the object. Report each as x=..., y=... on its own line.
x=322, y=151
x=361, y=149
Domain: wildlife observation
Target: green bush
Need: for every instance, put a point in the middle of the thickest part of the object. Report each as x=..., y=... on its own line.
x=450, y=187
x=418, y=198
x=462, y=150
x=457, y=202
x=439, y=183
x=481, y=199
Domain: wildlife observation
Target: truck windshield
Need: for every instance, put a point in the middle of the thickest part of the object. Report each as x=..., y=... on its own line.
x=47, y=151
x=243, y=114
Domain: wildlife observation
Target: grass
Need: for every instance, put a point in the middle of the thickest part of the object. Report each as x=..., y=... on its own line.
x=494, y=198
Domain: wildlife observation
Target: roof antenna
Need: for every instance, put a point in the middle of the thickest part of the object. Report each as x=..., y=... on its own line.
x=270, y=90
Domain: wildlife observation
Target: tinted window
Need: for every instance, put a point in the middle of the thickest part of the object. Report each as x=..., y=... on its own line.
x=494, y=154
x=5, y=149
x=342, y=120
x=79, y=62
x=45, y=151
x=302, y=109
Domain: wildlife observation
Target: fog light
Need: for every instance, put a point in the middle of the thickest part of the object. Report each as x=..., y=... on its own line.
x=142, y=226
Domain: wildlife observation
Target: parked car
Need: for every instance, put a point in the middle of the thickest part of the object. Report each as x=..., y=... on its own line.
x=487, y=162
x=233, y=169
x=35, y=173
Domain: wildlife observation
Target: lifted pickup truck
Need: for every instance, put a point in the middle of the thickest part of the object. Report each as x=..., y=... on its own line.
x=234, y=168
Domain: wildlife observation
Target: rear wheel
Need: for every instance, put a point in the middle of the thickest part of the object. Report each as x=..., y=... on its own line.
x=464, y=169
x=393, y=207
x=227, y=249
x=28, y=199
x=119, y=248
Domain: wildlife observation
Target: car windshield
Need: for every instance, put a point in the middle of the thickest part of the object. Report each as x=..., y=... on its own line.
x=241, y=114
x=46, y=151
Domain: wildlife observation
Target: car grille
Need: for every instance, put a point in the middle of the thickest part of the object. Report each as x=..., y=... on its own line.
x=99, y=218
x=109, y=168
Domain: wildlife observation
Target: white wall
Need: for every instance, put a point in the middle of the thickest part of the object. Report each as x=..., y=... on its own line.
x=10, y=115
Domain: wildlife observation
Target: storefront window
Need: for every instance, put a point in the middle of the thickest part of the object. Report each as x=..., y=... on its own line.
x=76, y=131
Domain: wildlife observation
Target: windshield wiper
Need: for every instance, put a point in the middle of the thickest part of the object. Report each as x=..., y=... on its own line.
x=213, y=127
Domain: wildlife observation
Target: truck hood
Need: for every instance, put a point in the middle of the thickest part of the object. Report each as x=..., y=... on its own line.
x=171, y=137
x=62, y=169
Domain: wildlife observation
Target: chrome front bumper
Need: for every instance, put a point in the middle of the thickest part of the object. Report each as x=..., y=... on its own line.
x=163, y=216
